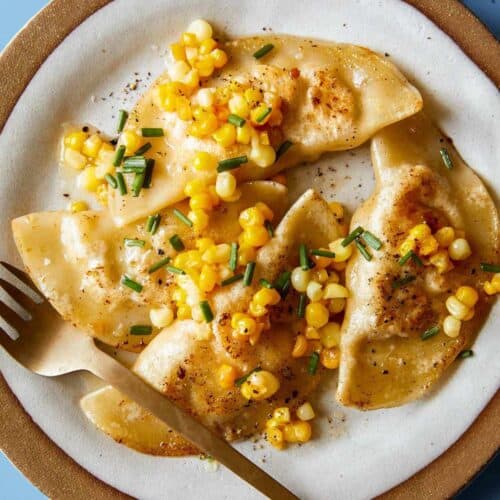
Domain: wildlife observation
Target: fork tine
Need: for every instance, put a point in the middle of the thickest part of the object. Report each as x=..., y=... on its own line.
x=19, y=274
x=6, y=341
x=11, y=317
x=21, y=298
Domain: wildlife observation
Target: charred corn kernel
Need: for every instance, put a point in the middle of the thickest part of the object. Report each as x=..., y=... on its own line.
x=330, y=335
x=428, y=245
x=263, y=156
x=266, y=297
x=257, y=113
x=264, y=138
x=199, y=218
x=244, y=134
x=243, y=324
x=300, y=279
x=75, y=140
x=335, y=291
x=337, y=209
x=189, y=39
x=316, y=314
x=184, y=312
x=253, y=97
x=226, y=375
x=206, y=46
x=441, y=260
x=274, y=436
x=91, y=146
x=161, y=317
x=470, y=315
x=314, y=291
x=260, y=385
x=280, y=179
x=183, y=108
x=196, y=186
x=297, y=432
x=459, y=249
x=445, y=236
x=192, y=79
x=201, y=29
x=311, y=333
x=282, y=415
x=239, y=106
x=300, y=347
x=490, y=288
x=420, y=231
x=255, y=236
x=201, y=201
x=336, y=306
x=305, y=412
x=451, y=326
x=341, y=253
x=225, y=135
x=407, y=245
x=178, y=52
x=218, y=254
x=246, y=255
x=203, y=244
x=74, y=159
x=131, y=141
x=467, y=295
x=456, y=308
x=225, y=185
x=78, y=206
x=178, y=70
x=219, y=58
x=208, y=278
x=330, y=358
x=87, y=180
x=265, y=210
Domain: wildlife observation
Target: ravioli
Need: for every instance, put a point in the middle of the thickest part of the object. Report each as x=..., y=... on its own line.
x=78, y=260
x=180, y=362
x=336, y=96
x=384, y=360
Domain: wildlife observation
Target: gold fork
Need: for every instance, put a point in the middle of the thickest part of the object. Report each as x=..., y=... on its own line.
x=50, y=346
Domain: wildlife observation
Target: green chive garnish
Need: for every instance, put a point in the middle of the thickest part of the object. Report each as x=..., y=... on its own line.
x=119, y=154
x=312, y=366
x=352, y=236
x=269, y=227
x=403, y=281
x=122, y=118
x=152, y=132
x=236, y=120
x=143, y=149
x=134, y=164
x=137, y=287
x=430, y=333
x=265, y=283
x=183, y=218
x=148, y=175
x=263, y=51
x=176, y=242
x=231, y=163
x=466, y=354
x=206, y=311
x=248, y=277
x=362, y=249
x=303, y=258
x=141, y=330
x=323, y=253
x=282, y=281
x=233, y=258
x=263, y=115
x=175, y=270
x=122, y=186
x=301, y=309
x=153, y=223
x=372, y=240
x=402, y=261
x=446, y=158
x=132, y=242
x=232, y=279
x=239, y=381
x=161, y=263
x=138, y=183
x=284, y=147
x=490, y=268
x=111, y=181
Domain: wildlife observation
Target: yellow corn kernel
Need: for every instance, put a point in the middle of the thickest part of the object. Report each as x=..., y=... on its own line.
x=300, y=347
x=297, y=432
x=131, y=141
x=205, y=65
x=78, y=206
x=489, y=288
x=441, y=260
x=192, y=79
x=272, y=423
x=330, y=358
x=75, y=140
x=263, y=156
x=167, y=101
x=218, y=254
x=300, y=279
x=219, y=58
x=467, y=295
x=314, y=291
x=428, y=245
x=253, y=97
x=420, y=231
x=91, y=146
x=183, y=108
x=459, y=249
x=214, y=196
x=280, y=179
x=201, y=201
x=178, y=52
x=208, y=278
x=201, y=29
x=456, y=308
x=265, y=210
x=222, y=95
x=102, y=194
x=264, y=138
x=495, y=281
x=244, y=134
x=225, y=135
x=330, y=335
x=316, y=314
x=194, y=187
x=260, y=385
x=222, y=113
x=255, y=236
x=199, y=218
x=470, y=315
x=74, y=159
x=274, y=436
x=226, y=375
x=321, y=262
x=225, y=185
x=282, y=415
x=337, y=209
x=266, y=297
x=311, y=333
x=445, y=236
x=272, y=99
x=161, y=317
x=257, y=113
x=451, y=326
x=257, y=310
x=87, y=180
x=190, y=259
x=207, y=46
x=336, y=306
x=183, y=312
x=203, y=244
x=320, y=275
x=305, y=412
x=335, y=291
x=189, y=39
x=243, y=324
x=341, y=253
x=239, y=106
x=204, y=161
x=246, y=255
x=208, y=123
x=407, y=245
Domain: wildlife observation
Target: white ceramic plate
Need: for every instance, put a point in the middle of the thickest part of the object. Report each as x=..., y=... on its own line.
x=356, y=455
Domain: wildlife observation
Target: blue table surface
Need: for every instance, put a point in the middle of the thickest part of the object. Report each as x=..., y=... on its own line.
x=15, y=486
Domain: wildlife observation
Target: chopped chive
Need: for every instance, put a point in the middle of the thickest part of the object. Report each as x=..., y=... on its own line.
x=137, y=287
x=143, y=149
x=233, y=258
x=282, y=281
x=466, y=354
x=430, y=333
x=446, y=158
x=176, y=243
x=134, y=163
x=236, y=120
x=153, y=223
x=410, y=254
x=284, y=147
x=263, y=115
x=231, y=163
x=183, y=218
x=175, y=270
x=161, y=263
x=248, y=277
x=132, y=242
x=263, y=51
x=403, y=281
x=122, y=186
x=206, y=311
x=303, y=258
x=265, y=283
x=372, y=240
x=111, y=181
x=232, y=279
x=148, y=175
x=269, y=227
x=415, y=258
x=141, y=330
x=301, y=308
x=490, y=268
x=323, y=253
x=239, y=381
x=122, y=118
x=362, y=249
x=119, y=154
x=352, y=236
x=138, y=183
x=152, y=132
x=312, y=366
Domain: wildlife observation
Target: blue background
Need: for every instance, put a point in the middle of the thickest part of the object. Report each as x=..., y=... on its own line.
x=14, y=485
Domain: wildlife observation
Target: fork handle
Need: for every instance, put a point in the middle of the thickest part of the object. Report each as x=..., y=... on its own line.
x=128, y=383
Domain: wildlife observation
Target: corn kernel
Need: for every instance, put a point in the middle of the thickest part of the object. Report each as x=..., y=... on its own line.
x=260, y=385
x=489, y=288
x=300, y=347
x=201, y=29
x=78, y=206
x=239, y=106
x=282, y=415
x=208, y=278
x=441, y=260
x=445, y=236
x=330, y=358
x=335, y=291
x=244, y=134
x=305, y=412
x=184, y=312
x=226, y=375
x=131, y=141
x=253, y=97
x=225, y=185
x=206, y=98
x=257, y=113
x=205, y=65
x=467, y=295
x=196, y=186
x=451, y=326
x=161, y=317
x=206, y=46
x=456, y=308
x=74, y=159
x=311, y=333
x=178, y=52
x=203, y=244
x=314, y=291
x=246, y=255
x=91, y=146
x=316, y=314
x=266, y=297
x=102, y=194
x=243, y=324
x=263, y=156
x=183, y=108
x=428, y=245
x=219, y=58
x=336, y=306
x=274, y=436
x=201, y=201
x=257, y=310
x=255, y=236
x=189, y=39
x=298, y=432
x=225, y=135
x=495, y=281
x=87, y=180
x=179, y=295
x=199, y=218
x=264, y=138
x=420, y=231
x=192, y=54
x=330, y=335
x=321, y=262
x=265, y=210
x=341, y=253
x=178, y=70
x=75, y=140
x=459, y=249
x=337, y=209
x=192, y=79
x=407, y=245
x=208, y=123
x=218, y=254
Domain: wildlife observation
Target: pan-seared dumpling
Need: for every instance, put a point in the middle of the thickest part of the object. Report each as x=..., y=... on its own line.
x=385, y=361
x=333, y=97
x=78, y=261
x=182, y=360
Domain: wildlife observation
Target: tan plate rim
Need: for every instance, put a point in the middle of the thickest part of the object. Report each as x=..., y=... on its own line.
x=40, y=459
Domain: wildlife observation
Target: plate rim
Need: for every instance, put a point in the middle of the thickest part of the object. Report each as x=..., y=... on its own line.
x=46, y=465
